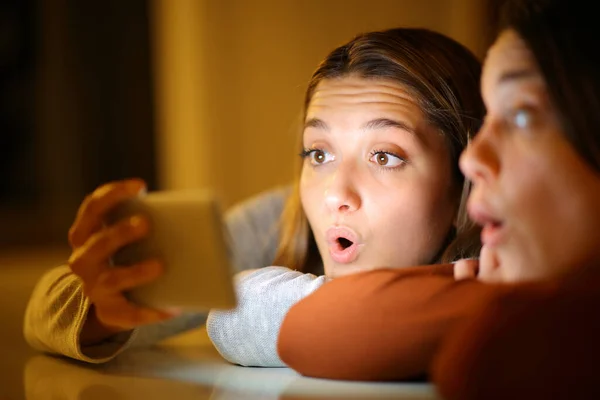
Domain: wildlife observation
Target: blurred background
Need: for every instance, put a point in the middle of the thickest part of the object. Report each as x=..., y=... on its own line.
x=183, y=93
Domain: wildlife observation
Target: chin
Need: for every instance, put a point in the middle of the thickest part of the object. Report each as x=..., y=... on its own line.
x=343, y=270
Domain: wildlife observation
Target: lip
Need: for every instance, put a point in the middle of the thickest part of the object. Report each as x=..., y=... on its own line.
x=336, y=251
x=493, y=230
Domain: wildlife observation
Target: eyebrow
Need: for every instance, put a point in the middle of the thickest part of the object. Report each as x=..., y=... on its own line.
x=379, y=123
x=517, y=75
x=316, y=123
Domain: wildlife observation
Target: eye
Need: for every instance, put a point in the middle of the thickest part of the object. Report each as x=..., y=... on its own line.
x=521, y=118
x=387, y=159
x=317, y=156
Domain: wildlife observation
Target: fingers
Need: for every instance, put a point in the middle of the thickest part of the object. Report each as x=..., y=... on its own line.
x=88, y=260
x=466, y=269
x=486, y=268
x=112, y=308
x=114, y=280
x=490, y=270
x=95, y=206
x=121, y=313
x=94, y=244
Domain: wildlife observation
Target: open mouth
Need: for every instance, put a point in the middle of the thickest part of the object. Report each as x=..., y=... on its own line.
x=492, y=233
x=344, y=243
x=495, y=224
x=493, y=229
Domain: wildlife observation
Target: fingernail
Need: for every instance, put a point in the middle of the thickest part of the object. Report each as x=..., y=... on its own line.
x=136, y=221
x=138, y=186
x=173, y=311
x=155, y=266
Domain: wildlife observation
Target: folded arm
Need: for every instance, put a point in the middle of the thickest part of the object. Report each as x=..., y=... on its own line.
x=248, y=334
x=378, y=325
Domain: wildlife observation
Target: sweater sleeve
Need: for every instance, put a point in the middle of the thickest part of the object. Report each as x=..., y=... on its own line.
x=57, y=310
x=55, y=315
x=57, y=307
x=538, y=341
x=378, y=325
x=247, y=335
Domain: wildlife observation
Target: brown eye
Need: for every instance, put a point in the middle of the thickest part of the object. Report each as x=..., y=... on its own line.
x=386, y=159
x=319, y=156
x=382, y=159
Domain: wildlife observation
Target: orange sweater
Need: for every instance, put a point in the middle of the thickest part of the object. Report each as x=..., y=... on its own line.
x=385, y=324
x=477, y=341
x=537, y=341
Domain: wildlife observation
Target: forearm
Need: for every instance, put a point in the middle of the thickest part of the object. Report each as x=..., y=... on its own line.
x=248, y=334
x=378, y=325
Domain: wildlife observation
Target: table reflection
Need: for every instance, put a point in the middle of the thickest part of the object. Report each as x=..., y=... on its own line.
x=192, y=373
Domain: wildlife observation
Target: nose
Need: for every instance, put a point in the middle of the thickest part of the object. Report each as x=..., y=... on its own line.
x=341, y=194
x=479, y=161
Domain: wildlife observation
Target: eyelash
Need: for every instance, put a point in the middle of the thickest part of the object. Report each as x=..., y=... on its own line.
x=307, y=152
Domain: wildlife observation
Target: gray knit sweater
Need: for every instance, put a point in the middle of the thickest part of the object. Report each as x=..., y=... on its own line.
x=246, y=335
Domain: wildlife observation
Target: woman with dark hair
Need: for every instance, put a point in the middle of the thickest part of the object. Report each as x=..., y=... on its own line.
x=536, y=169
x=386, y=117
x=521, y=324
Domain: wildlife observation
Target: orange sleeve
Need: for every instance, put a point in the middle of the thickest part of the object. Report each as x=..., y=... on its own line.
x=378, y=325
x=535, y=342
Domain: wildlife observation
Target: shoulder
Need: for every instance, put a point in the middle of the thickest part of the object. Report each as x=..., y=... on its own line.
x=267, y=202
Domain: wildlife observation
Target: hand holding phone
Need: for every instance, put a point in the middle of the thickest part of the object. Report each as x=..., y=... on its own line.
x=138, y=255
x=187, y=235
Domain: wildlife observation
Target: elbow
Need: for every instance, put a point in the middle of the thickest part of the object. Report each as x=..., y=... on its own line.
x=300, y=348
x=291, y=346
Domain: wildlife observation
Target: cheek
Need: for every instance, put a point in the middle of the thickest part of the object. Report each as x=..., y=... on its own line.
x=437, y=189
x=437, y=196
x=422, y=206
x=309, y=199
x=549, y=213
x=412, y=229
x=535, y=191
x=303, y=192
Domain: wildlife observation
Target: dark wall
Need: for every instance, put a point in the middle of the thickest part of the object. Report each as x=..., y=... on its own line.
x=75, y=109
x=17, y=71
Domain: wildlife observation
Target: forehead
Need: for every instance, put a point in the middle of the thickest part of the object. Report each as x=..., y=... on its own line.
x=361, y=94
x=508, y=56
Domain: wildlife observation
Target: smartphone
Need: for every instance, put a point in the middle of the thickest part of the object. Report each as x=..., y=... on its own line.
x=188, y=235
